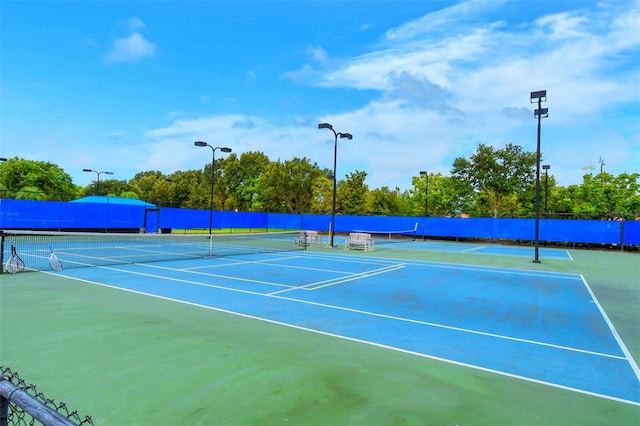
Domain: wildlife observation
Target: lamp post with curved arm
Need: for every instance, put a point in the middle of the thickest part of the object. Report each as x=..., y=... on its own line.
x=213, y=176
x=335, y=157
x=539, y=113
x=98, y=178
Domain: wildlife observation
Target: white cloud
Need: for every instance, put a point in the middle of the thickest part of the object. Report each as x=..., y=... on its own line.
x=133, y=25
x=131, y=49
x=319, y=55
x=443, y=90
x=448, y=81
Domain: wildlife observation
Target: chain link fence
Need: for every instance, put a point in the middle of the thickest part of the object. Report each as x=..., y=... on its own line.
x=23, y=404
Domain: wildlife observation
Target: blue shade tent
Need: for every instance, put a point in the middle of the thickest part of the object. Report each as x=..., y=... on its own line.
x=93, y=212
x=114, y=200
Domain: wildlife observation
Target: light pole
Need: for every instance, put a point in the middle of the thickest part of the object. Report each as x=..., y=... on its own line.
x=426, y=201
x=213, y=165
x=98, y=178
x=546, y=168
x=539, y=113
x=335, y=156
x=601, y=162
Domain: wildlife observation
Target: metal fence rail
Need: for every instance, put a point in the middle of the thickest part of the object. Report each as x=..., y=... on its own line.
x=22, y=404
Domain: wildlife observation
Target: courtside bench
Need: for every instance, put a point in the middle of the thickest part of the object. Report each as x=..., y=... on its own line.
x=309, y=238
x=359, y=240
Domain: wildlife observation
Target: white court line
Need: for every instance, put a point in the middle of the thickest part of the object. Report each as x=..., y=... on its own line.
x=445, y=265
x=359, y=311
x=473, y=249
x=335, y=281
x=623, y=347
x=628, y=357
x=366, y=342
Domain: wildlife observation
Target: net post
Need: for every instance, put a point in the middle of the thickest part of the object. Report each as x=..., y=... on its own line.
x=1, y=251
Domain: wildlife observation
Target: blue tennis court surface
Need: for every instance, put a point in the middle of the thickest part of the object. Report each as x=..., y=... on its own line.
x=537, y=326
x=488, y=249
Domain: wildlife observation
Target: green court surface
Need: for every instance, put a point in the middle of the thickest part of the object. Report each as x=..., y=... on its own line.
x=130, y=359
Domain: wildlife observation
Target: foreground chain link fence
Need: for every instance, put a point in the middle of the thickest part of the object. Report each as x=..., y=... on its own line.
x=22, y=404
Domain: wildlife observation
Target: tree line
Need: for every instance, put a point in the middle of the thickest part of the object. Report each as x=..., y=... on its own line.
x=491, y=182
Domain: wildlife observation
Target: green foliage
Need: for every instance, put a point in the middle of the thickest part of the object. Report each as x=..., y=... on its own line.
x=288, y=187
x=35, y=180
x=351, y=194
x=496, y=175
x=384, y=201
x=491, y=182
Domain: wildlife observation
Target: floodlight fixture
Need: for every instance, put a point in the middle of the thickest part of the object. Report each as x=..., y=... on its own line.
x=541, y=112
x=538, y=96
x=335, y=157
x=345, y=135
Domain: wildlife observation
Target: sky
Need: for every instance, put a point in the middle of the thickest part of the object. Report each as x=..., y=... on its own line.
x=128, y=86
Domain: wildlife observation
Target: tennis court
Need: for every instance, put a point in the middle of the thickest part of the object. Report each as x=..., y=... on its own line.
x=532, y=325
x=484, y=249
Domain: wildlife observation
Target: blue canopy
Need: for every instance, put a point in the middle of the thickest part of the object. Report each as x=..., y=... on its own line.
x=114, y=200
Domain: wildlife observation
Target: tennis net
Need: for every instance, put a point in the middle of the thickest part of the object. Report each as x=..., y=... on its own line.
x=382, y=237
x=44, y=250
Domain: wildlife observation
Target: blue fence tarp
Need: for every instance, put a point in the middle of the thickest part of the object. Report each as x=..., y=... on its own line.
x=28, y=214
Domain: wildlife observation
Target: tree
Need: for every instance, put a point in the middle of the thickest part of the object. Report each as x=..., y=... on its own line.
x=110, y=188
x=446, y=196
x=602, y=196
x=322, y=193
x=496, y=174
x=384, y=201
x=288, y=187
x=241, y=176
x=36, y=180
x=352, y=194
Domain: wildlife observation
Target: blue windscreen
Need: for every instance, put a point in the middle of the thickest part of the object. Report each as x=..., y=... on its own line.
x=632, y=232
x=28, y=214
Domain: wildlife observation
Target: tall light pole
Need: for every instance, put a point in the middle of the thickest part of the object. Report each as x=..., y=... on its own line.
x=426, y=201
x=539, y=113
x=213, y=176
x=335, y=157
x=98, y=178
x=601, y=162
x=546, y=168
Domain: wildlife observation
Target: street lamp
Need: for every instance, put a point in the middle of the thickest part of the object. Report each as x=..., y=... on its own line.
x=98, y=178
x=335, y=156
x=213, y=165
x=539, y=113
x=426, y=201
x=546, y=168
x=601, y=162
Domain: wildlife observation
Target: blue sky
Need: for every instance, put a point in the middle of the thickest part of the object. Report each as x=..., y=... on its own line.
x=127, y=86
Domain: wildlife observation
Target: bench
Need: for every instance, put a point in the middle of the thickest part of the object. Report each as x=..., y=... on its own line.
x=359, y=240
x=308, y=238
